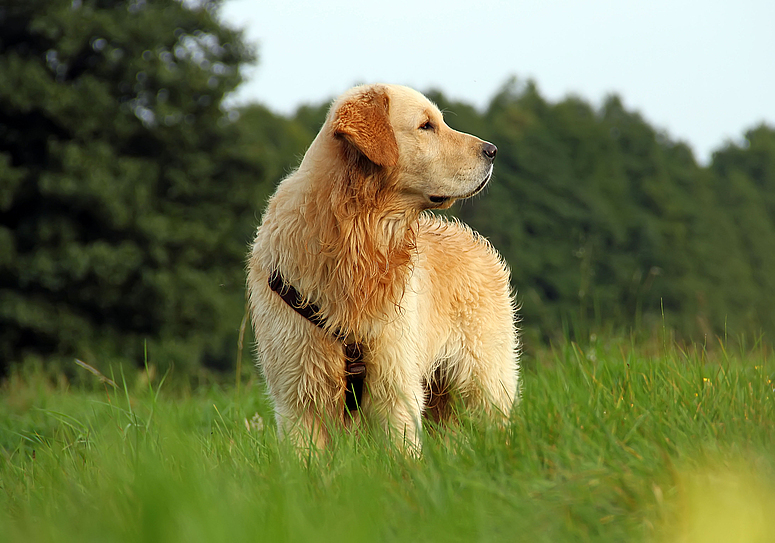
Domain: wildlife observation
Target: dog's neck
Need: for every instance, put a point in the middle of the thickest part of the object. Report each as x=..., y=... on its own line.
x=365, y=266
x=359, y=244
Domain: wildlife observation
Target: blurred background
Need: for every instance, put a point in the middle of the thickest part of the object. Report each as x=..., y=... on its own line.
x=634, y=190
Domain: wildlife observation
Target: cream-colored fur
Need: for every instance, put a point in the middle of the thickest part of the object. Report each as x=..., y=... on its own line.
x=429, y=298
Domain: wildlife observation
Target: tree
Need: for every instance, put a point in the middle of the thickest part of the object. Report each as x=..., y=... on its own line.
x=125, y=208
x=745, y=186
x=605, y=220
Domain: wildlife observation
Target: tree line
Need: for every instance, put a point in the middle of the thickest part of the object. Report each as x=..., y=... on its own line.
x=129, y=195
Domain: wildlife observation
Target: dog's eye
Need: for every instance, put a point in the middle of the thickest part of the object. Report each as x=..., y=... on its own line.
x=427, y=125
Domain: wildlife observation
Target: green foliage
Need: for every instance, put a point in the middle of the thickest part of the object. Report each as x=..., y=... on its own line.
x=745, y=187
x=610, y=443
x=608, y=223
x=126, y=209
x=129, y=196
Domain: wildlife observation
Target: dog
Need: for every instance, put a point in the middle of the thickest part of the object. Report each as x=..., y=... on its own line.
x=348, y=255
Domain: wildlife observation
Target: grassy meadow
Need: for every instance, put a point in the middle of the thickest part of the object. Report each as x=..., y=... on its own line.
x=611, y=442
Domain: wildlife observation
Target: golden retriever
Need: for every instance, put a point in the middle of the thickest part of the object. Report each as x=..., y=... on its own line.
x=427, y=300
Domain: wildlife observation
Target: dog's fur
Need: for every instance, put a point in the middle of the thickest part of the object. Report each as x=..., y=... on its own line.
x=429, y=298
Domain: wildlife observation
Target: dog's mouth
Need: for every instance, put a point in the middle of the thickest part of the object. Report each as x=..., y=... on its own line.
x=438, y=200
x=482, y=184
x=441, y=200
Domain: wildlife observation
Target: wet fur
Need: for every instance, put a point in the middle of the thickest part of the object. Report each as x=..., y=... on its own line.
x=427, y=297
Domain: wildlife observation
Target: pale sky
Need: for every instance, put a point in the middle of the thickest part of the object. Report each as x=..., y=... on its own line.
x=703, y=71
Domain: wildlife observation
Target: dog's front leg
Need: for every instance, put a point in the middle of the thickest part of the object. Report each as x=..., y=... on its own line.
x=301, y=374
x=396, y=396
x=307, y=425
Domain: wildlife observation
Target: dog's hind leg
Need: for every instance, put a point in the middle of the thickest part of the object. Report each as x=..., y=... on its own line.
x=438, y=405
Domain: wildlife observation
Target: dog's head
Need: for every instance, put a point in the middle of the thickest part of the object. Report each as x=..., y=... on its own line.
x=401, y=133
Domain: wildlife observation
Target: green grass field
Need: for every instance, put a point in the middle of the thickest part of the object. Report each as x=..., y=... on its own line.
x=610, y=443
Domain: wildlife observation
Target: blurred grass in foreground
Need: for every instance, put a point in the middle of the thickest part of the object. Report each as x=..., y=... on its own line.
x=612, y=442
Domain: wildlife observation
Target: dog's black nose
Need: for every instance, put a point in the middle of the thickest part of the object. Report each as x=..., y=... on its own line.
x=489, y=150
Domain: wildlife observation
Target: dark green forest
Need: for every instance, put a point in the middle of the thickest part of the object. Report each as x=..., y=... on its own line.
x=129, y=195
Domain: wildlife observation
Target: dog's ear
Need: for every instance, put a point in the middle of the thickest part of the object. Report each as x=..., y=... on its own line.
x=364, y=122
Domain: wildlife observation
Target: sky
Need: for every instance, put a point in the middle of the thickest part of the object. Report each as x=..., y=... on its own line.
x=701, y=71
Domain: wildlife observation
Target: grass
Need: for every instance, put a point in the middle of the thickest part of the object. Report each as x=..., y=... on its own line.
x=611, y=443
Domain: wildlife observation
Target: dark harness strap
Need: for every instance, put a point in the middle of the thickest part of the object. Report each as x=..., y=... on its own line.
x=355, y=367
